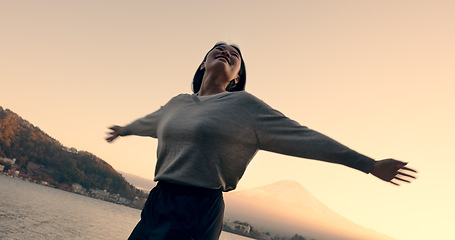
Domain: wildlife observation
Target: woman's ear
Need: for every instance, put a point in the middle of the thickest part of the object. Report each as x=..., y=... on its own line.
x=236, y=80
x=202, y=66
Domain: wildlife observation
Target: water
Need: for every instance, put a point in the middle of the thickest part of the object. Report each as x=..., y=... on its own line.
x=32, y=211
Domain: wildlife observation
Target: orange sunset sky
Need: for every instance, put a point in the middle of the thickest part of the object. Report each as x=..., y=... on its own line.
x=378, y=76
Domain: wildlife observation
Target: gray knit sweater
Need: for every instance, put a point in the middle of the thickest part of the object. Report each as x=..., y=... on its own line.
x=210, y=143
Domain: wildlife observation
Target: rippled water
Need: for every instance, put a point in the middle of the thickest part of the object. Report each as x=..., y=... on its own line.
x=32, y=211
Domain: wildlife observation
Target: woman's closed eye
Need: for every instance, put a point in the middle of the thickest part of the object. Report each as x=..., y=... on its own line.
x=233, y=53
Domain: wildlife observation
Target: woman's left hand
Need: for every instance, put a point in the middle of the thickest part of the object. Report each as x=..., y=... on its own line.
x=391, y=170
x=115, y=133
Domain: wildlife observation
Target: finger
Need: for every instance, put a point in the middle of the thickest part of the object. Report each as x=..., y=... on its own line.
x=394, y=183
x=401, y=179
x=407, y=175
x=114, y=127
x=409, y=169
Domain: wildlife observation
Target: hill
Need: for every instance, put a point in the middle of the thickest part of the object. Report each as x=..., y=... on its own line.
x=45, y=158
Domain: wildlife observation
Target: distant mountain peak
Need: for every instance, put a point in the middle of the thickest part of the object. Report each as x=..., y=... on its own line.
x=287, y=206
x=287, y=193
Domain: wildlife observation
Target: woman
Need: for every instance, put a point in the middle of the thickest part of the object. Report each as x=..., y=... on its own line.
x=207, y=139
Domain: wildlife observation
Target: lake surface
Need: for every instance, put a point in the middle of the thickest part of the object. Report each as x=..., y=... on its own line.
x=33, y=211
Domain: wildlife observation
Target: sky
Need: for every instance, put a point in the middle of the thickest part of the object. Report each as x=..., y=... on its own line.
x=378, y=76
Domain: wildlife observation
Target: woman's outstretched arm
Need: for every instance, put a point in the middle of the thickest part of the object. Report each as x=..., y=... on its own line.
x=391, y=170
x=277, y=133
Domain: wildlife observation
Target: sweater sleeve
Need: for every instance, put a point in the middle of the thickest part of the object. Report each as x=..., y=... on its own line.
x=146, y=126
x=277, y=133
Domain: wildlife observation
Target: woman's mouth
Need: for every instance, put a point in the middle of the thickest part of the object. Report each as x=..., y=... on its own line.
x=223, y=58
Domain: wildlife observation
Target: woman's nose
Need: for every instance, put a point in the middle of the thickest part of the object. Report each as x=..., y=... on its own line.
x=227, y=53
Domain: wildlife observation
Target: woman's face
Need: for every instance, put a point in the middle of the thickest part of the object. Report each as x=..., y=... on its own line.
x=223, y=58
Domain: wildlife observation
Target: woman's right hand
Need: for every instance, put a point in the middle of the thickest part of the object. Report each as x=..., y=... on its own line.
x=114, y=134
x=391, y=170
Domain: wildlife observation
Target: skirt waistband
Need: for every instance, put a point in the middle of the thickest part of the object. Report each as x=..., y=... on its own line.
x=187, y=190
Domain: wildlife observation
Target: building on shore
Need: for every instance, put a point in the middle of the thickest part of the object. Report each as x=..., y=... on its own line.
x=240, y=227
x=7, y=161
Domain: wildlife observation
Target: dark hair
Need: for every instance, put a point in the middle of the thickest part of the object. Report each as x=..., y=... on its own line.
x=240, y=86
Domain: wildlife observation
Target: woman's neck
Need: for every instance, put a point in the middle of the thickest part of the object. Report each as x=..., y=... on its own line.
x=210, y=86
